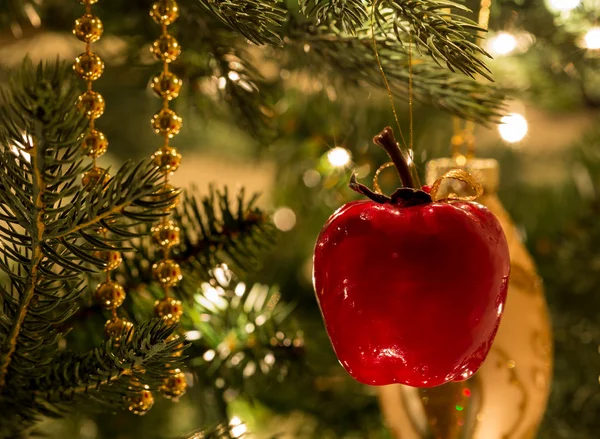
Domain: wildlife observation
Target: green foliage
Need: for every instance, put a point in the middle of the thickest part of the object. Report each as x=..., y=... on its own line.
x=221, y=431
x=48, y=233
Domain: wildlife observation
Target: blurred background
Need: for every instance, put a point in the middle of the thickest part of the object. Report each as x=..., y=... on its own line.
x=293, y=127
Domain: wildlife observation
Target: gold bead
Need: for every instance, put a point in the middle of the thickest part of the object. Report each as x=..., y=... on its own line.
x=167, y=272
x=91, y=103
x=110, y=295
x=95, y=143
x=166, y=48
x=118, y=327
x=94, y=177
x=166, y=193
x=166, y=122
x=165, y=11
x=88, y=66
x=140, y=402
x=174, y=386
x=167, y=159
x=165, y=234
x=88, y=28
x=112, y=258
x=166, y=85
x=168, y=309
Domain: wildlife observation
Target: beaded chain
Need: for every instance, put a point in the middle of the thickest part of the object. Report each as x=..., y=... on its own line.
x=166, y=123
x=109, y=294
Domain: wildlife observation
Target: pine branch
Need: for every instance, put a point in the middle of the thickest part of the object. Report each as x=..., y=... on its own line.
x=351, y=14
x=353, y=60
x=221, y=431
x=254, y=19
x=47, y=234
x=213, y=230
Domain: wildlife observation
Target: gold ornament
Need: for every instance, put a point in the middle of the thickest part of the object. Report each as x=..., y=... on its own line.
x=88, y=28
x=92, y=104
x=117, y=327
x=507, y=397
x=174, y=386
x=167, y=159
x=179, y=347
x=167, y=272
x=110, y=295
x=88, y=66
x=112, y=258
x=166, y=48
x=140, y=402
x=166, y=85
x=88, y=2
x=166, y=193
x=166, y=122
x=95, y=176
x=95, y=143
x=168, y=309
x=165, y=12
x=165, y=234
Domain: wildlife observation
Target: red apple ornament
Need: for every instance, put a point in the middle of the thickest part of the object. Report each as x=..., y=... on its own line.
x=411, y=289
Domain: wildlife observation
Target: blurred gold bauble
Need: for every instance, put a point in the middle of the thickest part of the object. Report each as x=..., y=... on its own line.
x=165, y=193
x=165, y=11
x=168, y=309
x=167, y=272
x=112, y=258
x=92, y=104
x=174, y=386
x=166, y=122
x=95, y=143
x=507, y=397
x=166, y=85
x=167, y=159
x=140, y=402
x=88, y=66
x=88, y=2
x=165, y=234
x=166, y=48
x=95, y=176
x=117, y=327
x=88, y=28
x=110, y=295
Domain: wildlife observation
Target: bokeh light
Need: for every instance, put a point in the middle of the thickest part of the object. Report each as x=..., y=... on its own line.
x=502, y=43
x=284, y=219
x=339, y=157
x=562, y=5
x=592, y=38
x=513, y=127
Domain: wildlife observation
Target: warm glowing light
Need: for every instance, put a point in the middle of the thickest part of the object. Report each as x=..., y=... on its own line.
x=503, y=43
x=238, y=429
x=284, y=219
x=193, y=335
x=563, y=5
x=311, y=178
x=339, y=157
x=513, y=127
x=209, y=355
x=592, y=38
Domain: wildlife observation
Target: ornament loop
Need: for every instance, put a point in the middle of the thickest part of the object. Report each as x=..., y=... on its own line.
x=460, y=175
x=376, y=176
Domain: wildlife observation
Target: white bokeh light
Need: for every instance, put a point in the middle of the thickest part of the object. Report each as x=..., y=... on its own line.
x=502, y=43
x=339, y=157
x=284, y=219
x=591, y=39
x=238, y=429
x=513, y=127
x=563, y=5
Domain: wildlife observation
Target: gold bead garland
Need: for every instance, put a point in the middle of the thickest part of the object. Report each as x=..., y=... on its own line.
x=109, y=294
x=167, y=124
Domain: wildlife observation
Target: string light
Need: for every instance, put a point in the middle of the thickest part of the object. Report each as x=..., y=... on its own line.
x=513, y=127
x=591, y=39
x=563, y=5
x=503, y=43
x=339, y=157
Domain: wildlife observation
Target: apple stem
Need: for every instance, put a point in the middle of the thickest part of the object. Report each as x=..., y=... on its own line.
x=388, y=142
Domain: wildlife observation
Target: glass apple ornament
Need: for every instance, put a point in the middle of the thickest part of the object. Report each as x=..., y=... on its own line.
x=411, y=288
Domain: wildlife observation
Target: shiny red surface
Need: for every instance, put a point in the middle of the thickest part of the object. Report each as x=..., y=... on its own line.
x=411, y=295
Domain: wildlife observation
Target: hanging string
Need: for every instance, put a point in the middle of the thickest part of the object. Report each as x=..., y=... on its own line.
x=385, y=81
